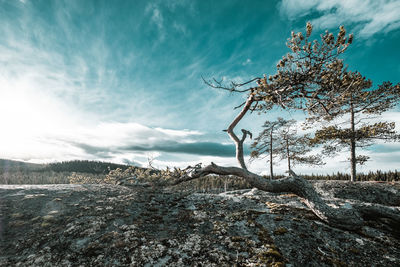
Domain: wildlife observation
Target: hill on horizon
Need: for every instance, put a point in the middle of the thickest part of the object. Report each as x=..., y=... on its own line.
x=86, y=166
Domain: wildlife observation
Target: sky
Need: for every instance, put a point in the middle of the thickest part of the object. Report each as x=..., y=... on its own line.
x=121, y=81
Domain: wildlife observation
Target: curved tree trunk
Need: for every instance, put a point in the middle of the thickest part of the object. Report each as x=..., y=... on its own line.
x=353, y=159
x=234, y=137
x=288, y=154
x=271, y=166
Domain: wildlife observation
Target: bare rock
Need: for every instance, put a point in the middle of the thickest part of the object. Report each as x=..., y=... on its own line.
x=112, y=225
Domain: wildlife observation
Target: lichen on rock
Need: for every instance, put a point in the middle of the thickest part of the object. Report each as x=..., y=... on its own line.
x=111, y=225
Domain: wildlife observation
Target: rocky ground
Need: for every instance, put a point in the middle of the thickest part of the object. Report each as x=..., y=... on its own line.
x=108, y=225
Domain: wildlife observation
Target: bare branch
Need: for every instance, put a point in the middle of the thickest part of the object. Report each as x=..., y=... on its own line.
x=218, y=85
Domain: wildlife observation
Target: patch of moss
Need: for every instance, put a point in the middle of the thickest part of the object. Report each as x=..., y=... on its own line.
x=271, y=257
x=280, y=231
x=251, y=222
x=17, y=215
x=45, y=224
x=37, y=218
x=152, y=209
x=273, y=252
x=17, y=223
x=48, y=218
x=264, y=237
x=53, y=212
x=354, y=250
x=119, y=243
x=237, y=239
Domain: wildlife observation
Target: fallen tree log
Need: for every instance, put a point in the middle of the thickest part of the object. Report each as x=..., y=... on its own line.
x=349, y=217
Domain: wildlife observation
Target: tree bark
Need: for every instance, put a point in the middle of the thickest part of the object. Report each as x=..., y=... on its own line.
x=239, y=142
x=271, y=168
x=287, y=153
x=352, y=146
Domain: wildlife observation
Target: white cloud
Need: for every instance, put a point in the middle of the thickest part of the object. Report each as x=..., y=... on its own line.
x=293, y=8
x=371, y=16
x=157, y=18
x=180, y=28
x=247, y=62
x=50, y=133
x=178, y=133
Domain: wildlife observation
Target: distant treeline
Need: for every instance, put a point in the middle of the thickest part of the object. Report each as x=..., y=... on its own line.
x=18, y=166
x=389, y=176
x=84, y=166
x=216, y=184
x=16, y=172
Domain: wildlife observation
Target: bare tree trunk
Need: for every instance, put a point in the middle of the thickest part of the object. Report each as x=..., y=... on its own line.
x=234, y=137
x=239, y=154
x=288, y=154
x=353, y=159
x=271, y=168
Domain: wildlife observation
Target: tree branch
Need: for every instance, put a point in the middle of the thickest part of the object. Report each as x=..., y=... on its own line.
x=348, y=219
x=239, y=142
x=218, y=85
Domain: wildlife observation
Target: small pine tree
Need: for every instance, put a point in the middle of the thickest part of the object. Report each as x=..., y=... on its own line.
x=280, y=139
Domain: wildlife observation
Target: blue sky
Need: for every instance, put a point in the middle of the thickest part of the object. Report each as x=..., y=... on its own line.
x=121, y=80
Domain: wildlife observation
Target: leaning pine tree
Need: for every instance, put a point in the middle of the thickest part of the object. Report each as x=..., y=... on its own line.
x=297, y=84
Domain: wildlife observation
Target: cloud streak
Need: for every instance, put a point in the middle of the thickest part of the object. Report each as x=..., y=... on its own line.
x=195, y=148
x=371, y=17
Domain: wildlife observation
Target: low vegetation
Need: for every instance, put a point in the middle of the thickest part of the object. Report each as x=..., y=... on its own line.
x=64, y=173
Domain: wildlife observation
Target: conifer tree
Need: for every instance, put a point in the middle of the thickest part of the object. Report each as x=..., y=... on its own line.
x=359, y=105
x=315, y=79
x=267, y=141
x=280, y=139
x=298, y=84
